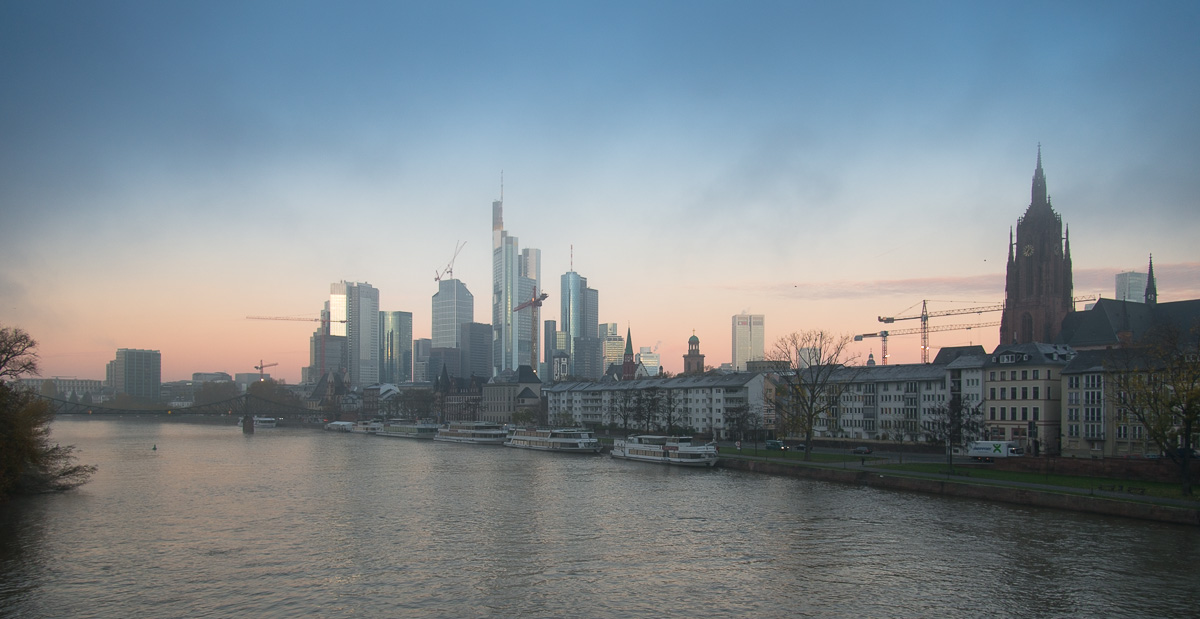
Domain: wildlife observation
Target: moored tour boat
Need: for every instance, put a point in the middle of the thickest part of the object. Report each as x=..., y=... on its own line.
x=409, y=429
x=677, y=450
x=472, y=432
x=563, y=440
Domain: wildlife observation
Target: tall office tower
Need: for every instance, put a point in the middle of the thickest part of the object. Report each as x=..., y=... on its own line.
x=1131, y=286
x=747, y=340
x=453, y=305
x=326, y=352
x=1037, y=290
x=580, y=310
x=649, y=360
x=421, y=350
x=354, y=313
x=515, y=275
x=476, y=347
x=136, y=372
x=612, y=346
x=549, y=339
x=395, y=350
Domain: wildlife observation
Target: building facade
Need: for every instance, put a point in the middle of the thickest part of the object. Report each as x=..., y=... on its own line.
x=1038, y=285
x=136, y=372
x=748, y=343
x=579, y=319
x=354, y=314
x=395, y=351
x=516, y=274
x=693, y=361
x=453, y=305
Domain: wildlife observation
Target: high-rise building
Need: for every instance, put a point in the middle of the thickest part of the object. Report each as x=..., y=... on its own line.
x=354, y=314
x=515, y=276
x=453, y=305
x=395, y=351
x=649, y=360
x=136, y=372
x=1037, y=291
x=580, y=310
x=613, y=345
x=1131, y=286
x=747, y=340
x=476, y=346
x=326, y=352
x=422, y=348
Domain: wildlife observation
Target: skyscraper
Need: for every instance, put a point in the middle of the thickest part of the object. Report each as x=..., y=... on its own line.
x=453, y=305
x=580, y=309
x=354, y=314
x=613, y=345
x=1131, y=286
x=395, y=351
x=515, y=276
x=476, y=346
x=1037, y=290
x=747, y=340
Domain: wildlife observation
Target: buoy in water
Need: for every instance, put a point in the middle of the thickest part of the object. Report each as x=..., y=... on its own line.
x=155, y=448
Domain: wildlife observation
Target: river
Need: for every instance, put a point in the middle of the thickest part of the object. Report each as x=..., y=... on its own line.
x=195, y=520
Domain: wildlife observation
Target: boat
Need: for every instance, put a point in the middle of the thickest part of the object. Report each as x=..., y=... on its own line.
x=366, y=427
x=408, y=429
x=472, y=432
x=260, y=422
x=339, y=426
x=562, y=440
x=677, y=450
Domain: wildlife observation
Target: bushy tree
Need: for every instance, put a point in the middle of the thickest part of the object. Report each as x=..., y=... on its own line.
x=29, y=464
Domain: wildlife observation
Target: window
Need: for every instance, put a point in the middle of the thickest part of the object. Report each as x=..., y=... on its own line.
x=1035, y=393
x=1004, y=393
x=1036, y=409
x=992, y=393
x=993, y=413
x=1072, y=414
x=1024, y=413
x=1003, y=413
x=1035, y=374
x=1073, y=430
x=1072, y=382
x=1024, y=393
x=1024, y=374
x=991, y=376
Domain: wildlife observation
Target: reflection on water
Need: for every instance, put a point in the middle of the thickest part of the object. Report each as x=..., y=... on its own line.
x=290, y=522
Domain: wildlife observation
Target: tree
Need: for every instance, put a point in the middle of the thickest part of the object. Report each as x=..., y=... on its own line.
x=737, y=420
x=28, y=462
x=624, y=409
x=212, y=392
x=954, y=423
x=1158, y=384
x=669, y=414
x=811, y=382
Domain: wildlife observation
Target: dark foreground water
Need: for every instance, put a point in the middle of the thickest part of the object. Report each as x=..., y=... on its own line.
x=303, y=523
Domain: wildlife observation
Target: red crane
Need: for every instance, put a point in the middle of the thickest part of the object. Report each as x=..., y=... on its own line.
x=536, y=304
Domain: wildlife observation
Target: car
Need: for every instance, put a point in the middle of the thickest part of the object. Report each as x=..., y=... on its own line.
x=774, y=444
x=797, y=447
x=861, y=451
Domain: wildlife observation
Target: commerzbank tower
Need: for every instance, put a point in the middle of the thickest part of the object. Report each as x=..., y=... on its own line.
x=515, y=276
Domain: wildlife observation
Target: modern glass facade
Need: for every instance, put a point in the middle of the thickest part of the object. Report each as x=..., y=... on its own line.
x=453, y=305
x=395, y=351
x=357, y=304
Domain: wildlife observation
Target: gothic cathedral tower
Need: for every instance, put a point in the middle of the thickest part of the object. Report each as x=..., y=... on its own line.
x=1037, y=292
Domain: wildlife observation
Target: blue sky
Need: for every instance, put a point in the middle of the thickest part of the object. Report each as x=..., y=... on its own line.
x=168, y=168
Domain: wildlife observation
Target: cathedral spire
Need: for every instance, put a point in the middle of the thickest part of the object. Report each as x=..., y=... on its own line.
x=1038, y=192
x=1151, y=287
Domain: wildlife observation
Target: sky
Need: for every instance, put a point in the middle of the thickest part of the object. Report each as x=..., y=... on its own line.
x=169, y=168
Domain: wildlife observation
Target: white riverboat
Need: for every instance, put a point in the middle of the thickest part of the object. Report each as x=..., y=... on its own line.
x=260, y=422
x=472, y=432
x=677, y=450
x=409, y=429
x=339, y=426
x=364, y=426
x=562, y=440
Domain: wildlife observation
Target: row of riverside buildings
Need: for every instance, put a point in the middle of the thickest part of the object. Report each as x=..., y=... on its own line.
x=1048, y=386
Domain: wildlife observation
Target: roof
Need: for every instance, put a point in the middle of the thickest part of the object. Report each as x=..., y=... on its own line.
x=1111, y=323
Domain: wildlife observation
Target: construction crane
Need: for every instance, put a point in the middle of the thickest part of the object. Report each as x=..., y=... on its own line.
x=924, y=331
x=324, y=330
x=261, y=367
x=925, y=315
x=448, y=272
x=536, y=304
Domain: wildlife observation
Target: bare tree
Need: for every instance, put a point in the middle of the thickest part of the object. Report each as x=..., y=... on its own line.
x=1158, y=383
x=624, y=408
x=954, y=423
x=18, y=353
x=811, y=385
x=669, y=414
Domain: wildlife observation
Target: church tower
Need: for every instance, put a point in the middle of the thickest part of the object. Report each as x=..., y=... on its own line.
x=1037, y=291
x=693, y=362
x=628, y=365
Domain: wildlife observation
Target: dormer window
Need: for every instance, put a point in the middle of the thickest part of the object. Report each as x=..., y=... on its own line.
x=1008, y=358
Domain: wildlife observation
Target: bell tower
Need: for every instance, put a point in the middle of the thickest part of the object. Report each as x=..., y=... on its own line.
x=1038, y=286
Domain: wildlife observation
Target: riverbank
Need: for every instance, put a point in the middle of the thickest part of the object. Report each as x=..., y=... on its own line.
x=1109, y=503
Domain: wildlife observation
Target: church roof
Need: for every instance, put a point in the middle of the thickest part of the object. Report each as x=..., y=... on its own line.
x=1112, y=323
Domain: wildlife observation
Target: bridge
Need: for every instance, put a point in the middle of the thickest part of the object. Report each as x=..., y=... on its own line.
x=234, y=407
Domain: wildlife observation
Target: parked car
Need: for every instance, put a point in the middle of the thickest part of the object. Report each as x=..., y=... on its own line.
x=773, y=444
x=861, y=451
x=797, y=447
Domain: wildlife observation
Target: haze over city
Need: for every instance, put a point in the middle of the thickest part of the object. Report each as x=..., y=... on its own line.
x=169, y=169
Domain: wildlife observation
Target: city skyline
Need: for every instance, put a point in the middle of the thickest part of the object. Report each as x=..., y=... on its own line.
x=170, y=169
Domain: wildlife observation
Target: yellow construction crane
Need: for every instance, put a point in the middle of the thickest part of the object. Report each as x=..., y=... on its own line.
x=924, y=331
x=925, y=315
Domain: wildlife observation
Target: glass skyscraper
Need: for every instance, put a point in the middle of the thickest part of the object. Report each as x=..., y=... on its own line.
x=354, y=314
x=395, y=351
x=453, y=305
x=515, y=276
